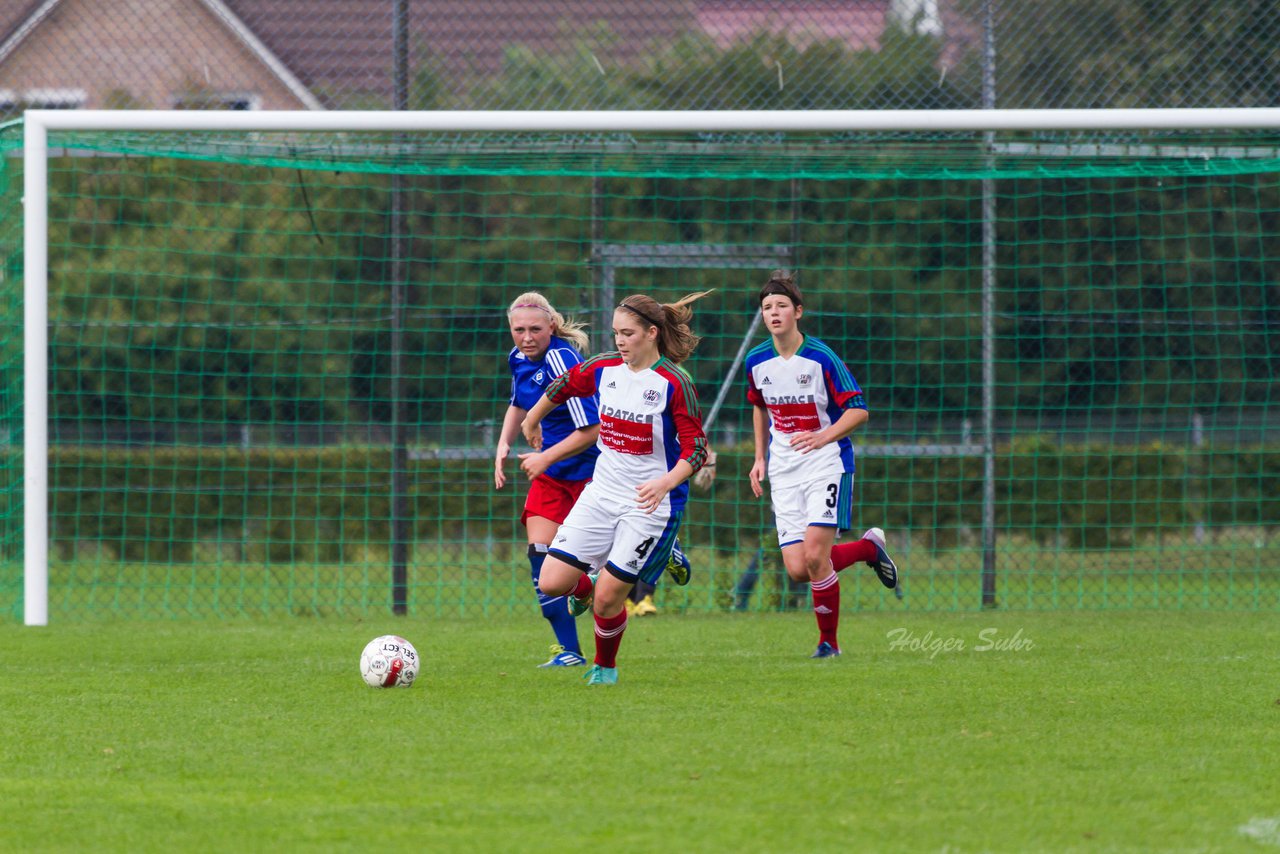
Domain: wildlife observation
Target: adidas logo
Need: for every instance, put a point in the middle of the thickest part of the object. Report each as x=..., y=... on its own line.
x=631, y=564
x=766, y=381
x=822, y=609
x=826, y=515
x=612, y=385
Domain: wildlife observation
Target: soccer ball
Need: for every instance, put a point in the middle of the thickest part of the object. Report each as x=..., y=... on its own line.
x=389, y=661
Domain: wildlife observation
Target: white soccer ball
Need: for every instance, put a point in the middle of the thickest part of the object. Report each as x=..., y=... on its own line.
x=389, y=661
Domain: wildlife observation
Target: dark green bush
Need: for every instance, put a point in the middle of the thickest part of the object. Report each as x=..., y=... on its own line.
x=333, y=504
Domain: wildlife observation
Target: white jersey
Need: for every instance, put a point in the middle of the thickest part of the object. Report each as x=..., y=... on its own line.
x=649, y=420
x=805, y=393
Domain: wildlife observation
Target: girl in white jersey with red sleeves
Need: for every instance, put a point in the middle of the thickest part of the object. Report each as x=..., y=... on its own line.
x=651, y=442
x=806, y=403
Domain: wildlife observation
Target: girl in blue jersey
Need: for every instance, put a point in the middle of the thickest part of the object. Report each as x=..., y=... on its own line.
x=651, y=442
x=805, y=404
x=546, y=346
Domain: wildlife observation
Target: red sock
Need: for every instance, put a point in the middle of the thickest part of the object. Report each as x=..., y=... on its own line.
x=826, y=607
x=609, y=637
x=583, y=588
x=847, y=554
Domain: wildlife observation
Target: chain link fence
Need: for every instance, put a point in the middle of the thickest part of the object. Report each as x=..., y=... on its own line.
x=638, y=54
x=1157, y=491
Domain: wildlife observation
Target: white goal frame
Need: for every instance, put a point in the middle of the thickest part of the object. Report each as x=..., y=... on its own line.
x=38, y=124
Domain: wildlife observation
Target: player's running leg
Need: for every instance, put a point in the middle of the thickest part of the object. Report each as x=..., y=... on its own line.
x=554, y=609
x=610, y=622
x=871, y=551
x=810, y=559
x=678, y=566
x=566, y=652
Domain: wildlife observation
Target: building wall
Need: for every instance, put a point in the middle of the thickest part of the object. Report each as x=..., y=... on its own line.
x=148, y=50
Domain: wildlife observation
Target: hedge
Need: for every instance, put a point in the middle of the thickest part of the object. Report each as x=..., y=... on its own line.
x=333, y=504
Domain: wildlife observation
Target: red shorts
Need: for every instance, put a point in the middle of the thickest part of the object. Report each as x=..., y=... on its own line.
x=551, y=498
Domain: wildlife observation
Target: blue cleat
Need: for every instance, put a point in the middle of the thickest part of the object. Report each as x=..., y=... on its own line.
x=678, y=566
x=598, y=675
x=826, y=650
x=577, y=606
x=884, y=566
x=561, y=657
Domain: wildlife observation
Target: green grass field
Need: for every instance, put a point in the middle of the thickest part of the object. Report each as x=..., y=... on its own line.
x=1089, y=731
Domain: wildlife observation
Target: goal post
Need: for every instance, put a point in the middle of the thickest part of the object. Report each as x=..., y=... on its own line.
x=728, y=149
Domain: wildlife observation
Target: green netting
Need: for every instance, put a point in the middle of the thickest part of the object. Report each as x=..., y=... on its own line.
x=222, y=358
x=10, y=373
x=731, y=156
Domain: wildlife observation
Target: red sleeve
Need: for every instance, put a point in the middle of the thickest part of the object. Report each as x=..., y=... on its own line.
x=687, y=415
x=578, y=381
x=845, y=398
x=754, y=397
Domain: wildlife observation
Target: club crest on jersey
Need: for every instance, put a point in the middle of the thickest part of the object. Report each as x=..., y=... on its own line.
x=539, y=377
x=651, y=395
x=804, y=379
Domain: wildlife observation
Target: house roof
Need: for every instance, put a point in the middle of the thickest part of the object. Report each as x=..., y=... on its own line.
x=18, y=19
x=341, y=50
x=347, y=44
x=338, y=47
x=858, y=23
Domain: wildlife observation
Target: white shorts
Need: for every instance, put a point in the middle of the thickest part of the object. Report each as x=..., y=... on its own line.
x=826, y=502
x=601, y=531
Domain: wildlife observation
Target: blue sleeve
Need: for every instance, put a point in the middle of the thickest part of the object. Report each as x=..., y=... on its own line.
x=842, y=388
x=584, y=411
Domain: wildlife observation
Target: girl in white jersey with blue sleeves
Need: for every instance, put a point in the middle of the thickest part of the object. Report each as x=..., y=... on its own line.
x=651, y=442
x=806, y=403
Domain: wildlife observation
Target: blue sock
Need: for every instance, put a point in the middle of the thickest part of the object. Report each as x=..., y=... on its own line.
x=554, y=608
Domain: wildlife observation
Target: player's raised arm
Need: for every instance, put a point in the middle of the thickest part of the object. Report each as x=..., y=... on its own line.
x=578, y=381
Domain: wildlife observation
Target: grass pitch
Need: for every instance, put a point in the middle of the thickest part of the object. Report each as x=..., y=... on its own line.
x=1083, y=731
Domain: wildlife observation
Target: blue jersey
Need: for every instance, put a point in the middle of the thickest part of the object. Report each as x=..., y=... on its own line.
x=529, y=381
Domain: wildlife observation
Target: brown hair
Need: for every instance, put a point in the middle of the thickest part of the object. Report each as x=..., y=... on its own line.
x=566, y=328
x=676, y=340
x=781, y=283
